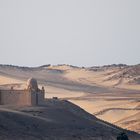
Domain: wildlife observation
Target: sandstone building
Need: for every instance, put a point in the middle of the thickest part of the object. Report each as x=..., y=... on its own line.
x=32, y=95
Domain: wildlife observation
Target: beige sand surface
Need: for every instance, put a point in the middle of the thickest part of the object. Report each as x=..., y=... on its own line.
x=61, y=93
x=113, y=105
x=99, y=78
x=8, y=80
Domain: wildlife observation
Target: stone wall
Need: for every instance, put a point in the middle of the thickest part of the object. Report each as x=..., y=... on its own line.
x=21, y=97
x=37, y=98
x=15, y=97
x=41, y=98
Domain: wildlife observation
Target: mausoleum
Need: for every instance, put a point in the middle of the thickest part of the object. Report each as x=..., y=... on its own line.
x=30, y=96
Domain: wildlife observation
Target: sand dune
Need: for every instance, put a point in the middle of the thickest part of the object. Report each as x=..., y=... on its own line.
x=93, y=89
x=132, y=122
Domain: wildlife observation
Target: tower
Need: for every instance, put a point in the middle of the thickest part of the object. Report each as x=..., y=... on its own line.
x=37, y=95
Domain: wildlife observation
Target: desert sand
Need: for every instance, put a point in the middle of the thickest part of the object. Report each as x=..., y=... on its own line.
x=110, y=93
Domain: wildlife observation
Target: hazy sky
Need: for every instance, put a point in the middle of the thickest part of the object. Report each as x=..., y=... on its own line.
x=77, y=32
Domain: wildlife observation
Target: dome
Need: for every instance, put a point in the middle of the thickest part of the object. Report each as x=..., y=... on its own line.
x=32, y=84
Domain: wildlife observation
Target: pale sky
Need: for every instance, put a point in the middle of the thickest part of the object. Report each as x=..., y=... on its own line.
x=76, y=32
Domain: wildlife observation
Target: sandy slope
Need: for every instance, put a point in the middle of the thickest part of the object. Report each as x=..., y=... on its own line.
x=104, y=77
x=131, y=122
x=6, y=81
